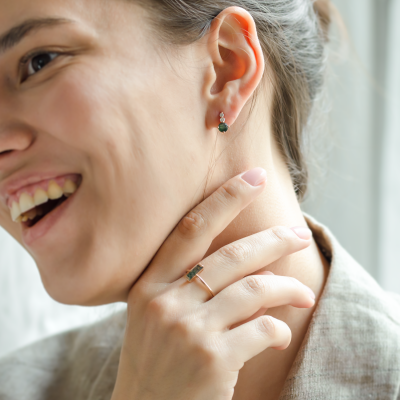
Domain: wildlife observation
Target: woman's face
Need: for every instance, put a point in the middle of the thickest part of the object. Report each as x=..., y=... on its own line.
x=101, y=108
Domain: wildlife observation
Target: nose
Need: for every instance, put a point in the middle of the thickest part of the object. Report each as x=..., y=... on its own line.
x=15, y=134
x=14, y=138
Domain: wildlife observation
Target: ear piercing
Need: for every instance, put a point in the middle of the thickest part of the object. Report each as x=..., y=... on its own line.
x=222, y=127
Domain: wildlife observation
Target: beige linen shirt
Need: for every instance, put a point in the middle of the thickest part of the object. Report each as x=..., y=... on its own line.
x=351, y=349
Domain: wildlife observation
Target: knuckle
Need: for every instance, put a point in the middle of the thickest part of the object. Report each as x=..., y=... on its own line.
x=140, y=291
x=165, y=314
x=160, y=309
x=281, y=237
x=255, y=284
x=182, y=328
x=266, y=326
x=230, y=191
x=236, y=252
x=204, y=349
x=193, y=224
x=206, y=355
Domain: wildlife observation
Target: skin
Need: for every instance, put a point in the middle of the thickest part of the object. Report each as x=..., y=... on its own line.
x=138, y=124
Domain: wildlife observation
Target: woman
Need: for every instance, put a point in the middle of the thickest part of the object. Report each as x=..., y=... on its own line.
x=140, y=138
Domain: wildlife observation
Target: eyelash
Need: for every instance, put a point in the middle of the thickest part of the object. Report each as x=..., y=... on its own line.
x=25, y=61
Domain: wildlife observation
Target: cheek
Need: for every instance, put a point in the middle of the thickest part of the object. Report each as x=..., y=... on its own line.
x=77, y=109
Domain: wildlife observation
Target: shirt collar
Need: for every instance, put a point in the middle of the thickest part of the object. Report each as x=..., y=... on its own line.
x=345, y=354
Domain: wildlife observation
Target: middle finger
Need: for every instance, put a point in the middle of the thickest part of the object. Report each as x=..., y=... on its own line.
x=244, y=298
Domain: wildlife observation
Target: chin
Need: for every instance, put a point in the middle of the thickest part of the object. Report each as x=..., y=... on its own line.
x=87, y=275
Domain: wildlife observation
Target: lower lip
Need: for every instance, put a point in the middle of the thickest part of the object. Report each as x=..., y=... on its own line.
x=42, y=227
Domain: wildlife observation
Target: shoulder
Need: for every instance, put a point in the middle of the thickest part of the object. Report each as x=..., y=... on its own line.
x=352, y=347
x=353, y=295
x=350, y=291
x=62, y=366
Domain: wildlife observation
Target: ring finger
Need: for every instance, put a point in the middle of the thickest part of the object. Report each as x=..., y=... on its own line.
x=243, y=257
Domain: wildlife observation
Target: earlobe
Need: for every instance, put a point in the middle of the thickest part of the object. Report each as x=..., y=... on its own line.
x=237, y=63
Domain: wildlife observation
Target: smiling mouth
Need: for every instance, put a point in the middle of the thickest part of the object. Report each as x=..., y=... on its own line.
x=36, y=202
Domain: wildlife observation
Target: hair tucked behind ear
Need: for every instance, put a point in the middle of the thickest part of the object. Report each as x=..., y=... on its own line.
x=292, y=34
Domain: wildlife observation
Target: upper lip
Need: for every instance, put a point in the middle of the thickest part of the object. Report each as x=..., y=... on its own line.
x=12, y=186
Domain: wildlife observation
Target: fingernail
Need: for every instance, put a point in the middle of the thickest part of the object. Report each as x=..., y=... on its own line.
x=255, y=176
x=312, y=294
x=302, y=233
x=268, y=273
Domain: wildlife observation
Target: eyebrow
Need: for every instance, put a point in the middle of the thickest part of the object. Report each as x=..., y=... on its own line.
x=13, y=36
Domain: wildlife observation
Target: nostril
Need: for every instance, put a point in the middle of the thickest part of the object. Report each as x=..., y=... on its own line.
x=16, y=138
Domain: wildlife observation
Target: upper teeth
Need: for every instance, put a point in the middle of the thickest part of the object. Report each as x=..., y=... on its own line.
x=54, y=191
x=27, y=203
x=40, y=197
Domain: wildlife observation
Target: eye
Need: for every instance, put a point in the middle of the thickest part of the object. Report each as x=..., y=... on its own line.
x=39, y=61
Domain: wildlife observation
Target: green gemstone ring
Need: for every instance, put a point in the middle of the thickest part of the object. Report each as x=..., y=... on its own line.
x=193, y=273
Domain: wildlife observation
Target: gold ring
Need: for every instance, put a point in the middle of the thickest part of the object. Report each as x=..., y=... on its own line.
x=193, y=273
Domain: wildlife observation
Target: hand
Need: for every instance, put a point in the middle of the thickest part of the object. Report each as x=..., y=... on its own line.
x=178, y=344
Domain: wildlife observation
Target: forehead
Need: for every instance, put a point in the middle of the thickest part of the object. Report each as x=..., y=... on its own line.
x=97, y=13
x=14, y=11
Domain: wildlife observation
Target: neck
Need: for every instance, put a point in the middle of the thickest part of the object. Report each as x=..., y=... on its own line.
x=263, y=376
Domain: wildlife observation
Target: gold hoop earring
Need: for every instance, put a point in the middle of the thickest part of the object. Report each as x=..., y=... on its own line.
x=222, y=127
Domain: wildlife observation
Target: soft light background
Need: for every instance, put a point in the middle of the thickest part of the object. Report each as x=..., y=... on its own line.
x=358, y=196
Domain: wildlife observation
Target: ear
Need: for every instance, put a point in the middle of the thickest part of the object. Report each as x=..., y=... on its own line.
x=237, y=64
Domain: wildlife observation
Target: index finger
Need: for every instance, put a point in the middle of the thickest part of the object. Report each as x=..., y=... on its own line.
x=192, y=237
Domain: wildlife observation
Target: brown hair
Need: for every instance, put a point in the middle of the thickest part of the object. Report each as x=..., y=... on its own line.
x=292, y=34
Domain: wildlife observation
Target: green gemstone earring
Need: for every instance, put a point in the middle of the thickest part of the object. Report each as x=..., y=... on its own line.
x=222, y=127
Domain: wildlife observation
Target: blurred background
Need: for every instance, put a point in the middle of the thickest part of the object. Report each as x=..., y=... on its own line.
x=355, y=174
x=358, y=194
